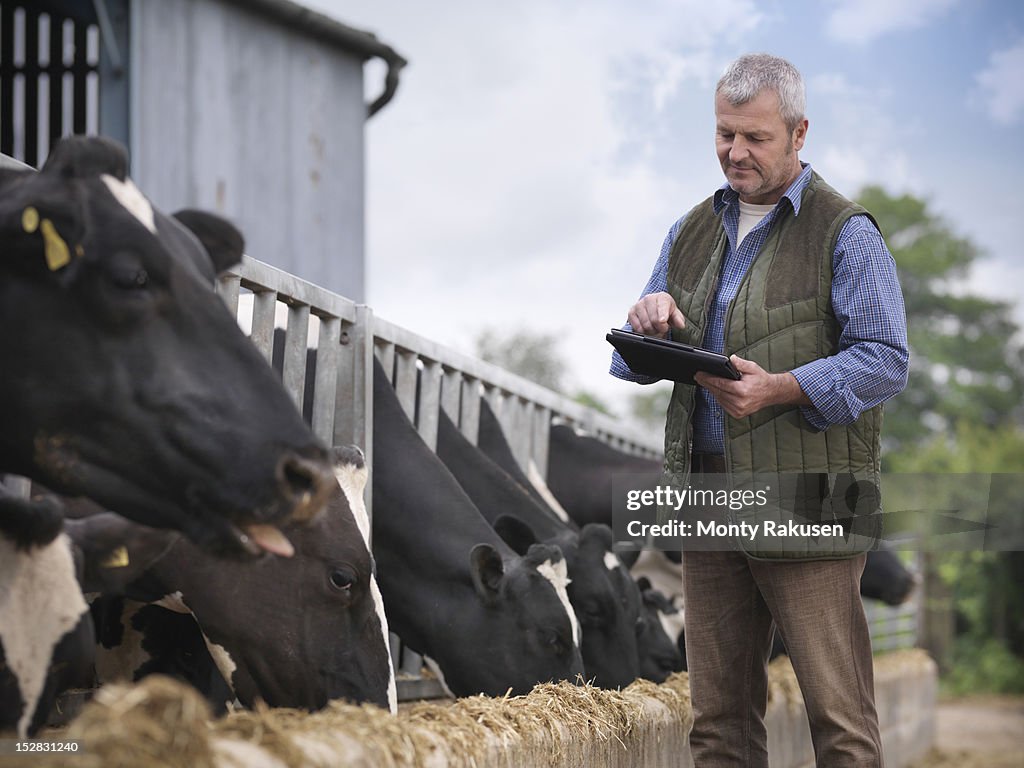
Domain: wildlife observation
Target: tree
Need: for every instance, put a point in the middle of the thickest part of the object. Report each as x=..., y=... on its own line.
x=964, y=364
x=533, y=356
x=650, y=406
x=530, y=354
x=591, y=400
x=961, y=413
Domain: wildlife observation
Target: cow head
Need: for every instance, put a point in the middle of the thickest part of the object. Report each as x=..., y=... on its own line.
x=126, y=378
x=603, y=595
x=528, y=631
x=885, y=578
x=295, y=631
x=657, y=643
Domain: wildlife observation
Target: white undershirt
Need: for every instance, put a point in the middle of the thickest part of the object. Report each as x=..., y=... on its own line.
x=750, y=217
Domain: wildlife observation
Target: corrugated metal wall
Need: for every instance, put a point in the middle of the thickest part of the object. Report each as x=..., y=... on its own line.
x=235, y=114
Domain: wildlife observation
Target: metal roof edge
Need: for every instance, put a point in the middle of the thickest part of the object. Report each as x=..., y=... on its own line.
x=303, y=19
x=319, y=25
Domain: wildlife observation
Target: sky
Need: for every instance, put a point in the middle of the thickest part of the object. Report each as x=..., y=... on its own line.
x=537, y=152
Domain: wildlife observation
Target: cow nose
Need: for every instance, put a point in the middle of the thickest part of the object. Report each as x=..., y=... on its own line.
x=304, y=484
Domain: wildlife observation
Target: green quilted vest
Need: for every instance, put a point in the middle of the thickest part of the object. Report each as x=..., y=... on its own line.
x=781, y=318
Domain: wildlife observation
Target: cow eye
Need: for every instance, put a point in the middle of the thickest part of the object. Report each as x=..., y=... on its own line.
x=130, y=279
x=557, y=642
x=641, y=625
x=125, y=271
x=342, y=579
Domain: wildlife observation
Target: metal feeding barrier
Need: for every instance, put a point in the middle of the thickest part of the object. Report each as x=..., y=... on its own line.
x=427, y=377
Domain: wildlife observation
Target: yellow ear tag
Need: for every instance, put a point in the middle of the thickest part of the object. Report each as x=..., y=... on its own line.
x=57, y=254
x=118, y=559
x=30, y=219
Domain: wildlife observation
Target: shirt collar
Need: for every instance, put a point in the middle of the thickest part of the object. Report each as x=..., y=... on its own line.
x=726, y=195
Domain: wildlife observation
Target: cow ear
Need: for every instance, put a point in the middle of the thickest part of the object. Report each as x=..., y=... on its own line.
x=79, y=157
x=597, y=534
x=487, y=569
x=31, y=522
x=515, y=532
x=116, y=551
x=628, y=557
x=219, y=237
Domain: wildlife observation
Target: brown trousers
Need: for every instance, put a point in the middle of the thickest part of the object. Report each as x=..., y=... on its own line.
x=732, y=604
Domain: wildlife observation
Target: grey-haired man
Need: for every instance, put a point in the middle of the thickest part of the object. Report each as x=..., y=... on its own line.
x=794, y=282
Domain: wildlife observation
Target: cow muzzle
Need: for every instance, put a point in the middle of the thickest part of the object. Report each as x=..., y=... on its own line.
x=304, y=485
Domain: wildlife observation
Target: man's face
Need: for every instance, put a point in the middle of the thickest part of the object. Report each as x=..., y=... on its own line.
x=756, y=150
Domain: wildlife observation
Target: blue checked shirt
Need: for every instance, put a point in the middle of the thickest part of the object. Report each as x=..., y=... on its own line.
x=871, y=364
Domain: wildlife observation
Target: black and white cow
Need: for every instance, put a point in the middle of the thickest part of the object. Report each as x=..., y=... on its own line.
x=46, y=633
x=581, y=469
x=886, y=578
x=136, y=639
x=294, y=632
x=601, y=591
x=492, y=441
x=657, y=646
x=490, y=620
x=45, y=630
x=126, y=378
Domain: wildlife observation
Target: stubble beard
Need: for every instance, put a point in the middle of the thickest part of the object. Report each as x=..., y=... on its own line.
x=764, y=184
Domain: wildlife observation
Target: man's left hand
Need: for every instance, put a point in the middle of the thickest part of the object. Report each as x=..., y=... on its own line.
x=756, y=390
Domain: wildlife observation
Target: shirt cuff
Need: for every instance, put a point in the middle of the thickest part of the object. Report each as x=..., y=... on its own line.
x=818, y=380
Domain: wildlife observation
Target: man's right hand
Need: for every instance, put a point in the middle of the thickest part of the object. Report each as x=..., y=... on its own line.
x=654, y=314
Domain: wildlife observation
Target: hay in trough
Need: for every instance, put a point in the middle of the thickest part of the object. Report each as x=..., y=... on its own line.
x=559, y=713
x=459, y=731
x=782, y=683
x=674, y=693
x=270, y=729
x=896, y=663
x=292, y=735
x=158, y=722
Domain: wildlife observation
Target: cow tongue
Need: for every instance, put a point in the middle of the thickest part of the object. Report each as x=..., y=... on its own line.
x=270, y=538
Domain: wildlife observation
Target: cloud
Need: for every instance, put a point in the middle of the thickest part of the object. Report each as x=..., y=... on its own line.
x=1001, y=85
x=507, y=184
x=865, y=142
x=863, y=21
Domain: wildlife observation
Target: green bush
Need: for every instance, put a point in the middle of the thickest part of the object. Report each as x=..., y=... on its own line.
x=983, y=666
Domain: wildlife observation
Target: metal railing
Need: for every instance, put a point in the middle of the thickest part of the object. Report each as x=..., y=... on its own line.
x=427, y=378
x=896, y=627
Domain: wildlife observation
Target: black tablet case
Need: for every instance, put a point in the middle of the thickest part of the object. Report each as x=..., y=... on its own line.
x=665, y=359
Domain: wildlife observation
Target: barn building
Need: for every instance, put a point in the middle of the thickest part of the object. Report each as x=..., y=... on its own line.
x=254, y=109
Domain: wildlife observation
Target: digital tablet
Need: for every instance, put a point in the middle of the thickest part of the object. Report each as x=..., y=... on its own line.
x=665, y=359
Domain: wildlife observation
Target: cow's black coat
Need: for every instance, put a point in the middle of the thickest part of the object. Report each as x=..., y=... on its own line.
x=605, y=599
x=659, y=654
x=453, y=589
x=126, y=378
x=300, y=631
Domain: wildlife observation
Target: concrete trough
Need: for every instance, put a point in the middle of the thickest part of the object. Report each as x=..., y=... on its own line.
x=160, y=721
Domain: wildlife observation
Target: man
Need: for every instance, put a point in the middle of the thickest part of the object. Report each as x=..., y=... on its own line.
x=794, y=282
